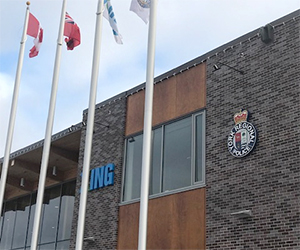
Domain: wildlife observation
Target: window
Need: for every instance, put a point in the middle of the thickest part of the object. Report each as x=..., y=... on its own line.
x=134, y=162
x=20, y=229
x=56, y=221
x=177, y=158
x=66, y=211
x=8, y=225
x=50, y=215
x=1, y=220
x=177, y=155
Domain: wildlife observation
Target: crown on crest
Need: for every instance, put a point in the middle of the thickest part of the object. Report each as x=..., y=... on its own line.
x=242, y=116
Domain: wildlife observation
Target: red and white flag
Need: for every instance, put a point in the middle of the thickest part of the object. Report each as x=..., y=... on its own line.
x=35, y=30
x=72, y=32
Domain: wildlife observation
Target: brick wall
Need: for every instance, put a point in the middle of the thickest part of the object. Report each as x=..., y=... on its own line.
x=267, y=180
x=102, y=204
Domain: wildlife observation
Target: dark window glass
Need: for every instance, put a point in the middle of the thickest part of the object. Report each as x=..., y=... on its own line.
x=66, y=211
x=199, y=148
x=156, y=162
x=22, y=215
x=8, y=225
x=50, y=215
x=63, y=245
x=177, y=155
x=31, y=218
x=1, y=220
x=133, y=170
x=50, y=246
x=177, y=150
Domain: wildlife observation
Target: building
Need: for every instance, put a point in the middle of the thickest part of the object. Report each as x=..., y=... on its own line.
x=214, y=184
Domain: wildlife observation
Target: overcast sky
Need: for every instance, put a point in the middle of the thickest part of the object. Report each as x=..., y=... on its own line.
x=186, y=29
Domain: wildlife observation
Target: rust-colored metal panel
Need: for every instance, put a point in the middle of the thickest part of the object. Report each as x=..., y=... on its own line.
x=174, y=222
x=135, y=113
x=164, y=101
x=191, y=90
x=128, y=229
x=174, y=97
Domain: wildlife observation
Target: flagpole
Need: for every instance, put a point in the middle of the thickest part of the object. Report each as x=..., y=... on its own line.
x=89, y=127
x=48, y=133
x=13, y=110
x=147, y=128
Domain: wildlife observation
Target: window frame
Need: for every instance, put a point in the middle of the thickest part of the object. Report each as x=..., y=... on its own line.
x=194, y=184
x=27, y=235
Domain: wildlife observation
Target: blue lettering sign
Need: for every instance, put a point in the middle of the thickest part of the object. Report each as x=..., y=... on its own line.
x=102, y=176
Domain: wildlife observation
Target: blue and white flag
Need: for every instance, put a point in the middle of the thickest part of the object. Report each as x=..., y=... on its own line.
x=110, y=16
x=141, y=8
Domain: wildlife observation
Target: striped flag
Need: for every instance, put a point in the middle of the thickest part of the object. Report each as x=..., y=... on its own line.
x=141, y=8
x=110, y=16
x=72, y=32
x=35, y=30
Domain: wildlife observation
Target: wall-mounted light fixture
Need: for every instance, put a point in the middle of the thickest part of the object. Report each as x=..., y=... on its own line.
x=22, y=182
x=89, y=239
x=267, y=33
x=54, y=171
x=217, y=67
x=242, y=214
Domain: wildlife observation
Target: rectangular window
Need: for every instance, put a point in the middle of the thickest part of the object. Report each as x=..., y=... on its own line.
x=22, y=215
x=155, y=179
x=66, y=211
x=177, y=158
x=1, y=220
x=50, y=214
x=8, y=225
x=31, y=219
x=199, y=148
x=134, y=147
x=177, y=155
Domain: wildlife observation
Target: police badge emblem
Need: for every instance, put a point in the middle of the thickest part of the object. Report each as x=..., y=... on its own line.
x=144, y=3
x=242, y=137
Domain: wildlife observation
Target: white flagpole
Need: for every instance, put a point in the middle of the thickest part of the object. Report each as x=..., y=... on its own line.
x=48, y=134
x=89, y=127
x=147, y=128
x=13, y=110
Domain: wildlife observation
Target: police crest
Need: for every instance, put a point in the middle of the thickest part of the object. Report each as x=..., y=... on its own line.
x=242, y=137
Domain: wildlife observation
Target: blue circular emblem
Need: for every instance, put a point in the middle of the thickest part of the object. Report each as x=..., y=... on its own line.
x=144, y=3
x=242, y=139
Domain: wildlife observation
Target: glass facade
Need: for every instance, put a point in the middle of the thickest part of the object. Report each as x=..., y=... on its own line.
x=55, y=229
x=177, y=158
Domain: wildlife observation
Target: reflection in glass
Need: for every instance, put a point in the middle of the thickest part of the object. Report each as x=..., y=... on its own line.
x=66, y=211
x=155, y=174
x=8, y=225
x=199, y=148
x=50, y=215
x=50, y=246
x=17, y=219
x=133, y=170
x=177, y=155
x=63, y=245
x=22, y=214
x=1, y=220
x=31, y=218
